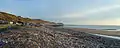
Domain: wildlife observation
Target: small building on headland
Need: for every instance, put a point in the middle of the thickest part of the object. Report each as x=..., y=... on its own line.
x=10, y=22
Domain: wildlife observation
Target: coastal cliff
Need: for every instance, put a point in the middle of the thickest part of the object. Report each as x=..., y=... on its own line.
x=10, y=17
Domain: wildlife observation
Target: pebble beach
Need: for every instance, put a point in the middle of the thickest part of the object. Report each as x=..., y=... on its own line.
x=52, y=37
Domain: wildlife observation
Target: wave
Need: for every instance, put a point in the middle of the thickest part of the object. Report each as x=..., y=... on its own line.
x=111, y=29
x=114, y=37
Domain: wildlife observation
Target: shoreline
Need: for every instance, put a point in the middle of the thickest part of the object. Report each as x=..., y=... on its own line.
x=112, y=37
x=95, y=31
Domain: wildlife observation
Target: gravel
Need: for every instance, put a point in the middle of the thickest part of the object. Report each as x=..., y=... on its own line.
x=51, y=37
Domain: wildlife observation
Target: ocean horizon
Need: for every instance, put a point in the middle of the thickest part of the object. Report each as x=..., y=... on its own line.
x=98, y=27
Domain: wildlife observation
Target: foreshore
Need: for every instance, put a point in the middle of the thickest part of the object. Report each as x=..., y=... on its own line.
x=95, y=31
x=52, y=37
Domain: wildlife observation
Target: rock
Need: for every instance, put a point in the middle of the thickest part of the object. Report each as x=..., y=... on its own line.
x=51, y=37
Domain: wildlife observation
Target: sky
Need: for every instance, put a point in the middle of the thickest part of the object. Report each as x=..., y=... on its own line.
x=77, y=12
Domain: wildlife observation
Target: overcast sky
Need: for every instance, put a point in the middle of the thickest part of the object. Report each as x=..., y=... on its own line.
x=80, y=12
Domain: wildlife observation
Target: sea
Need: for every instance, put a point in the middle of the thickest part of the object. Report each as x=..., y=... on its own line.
x=98, y=27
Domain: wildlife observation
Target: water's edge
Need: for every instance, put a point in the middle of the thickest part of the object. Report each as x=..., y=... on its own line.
x=98, y=27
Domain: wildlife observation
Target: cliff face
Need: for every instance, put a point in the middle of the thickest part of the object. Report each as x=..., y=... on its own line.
x=8, y=17
x=38, y=21
x=11, y=17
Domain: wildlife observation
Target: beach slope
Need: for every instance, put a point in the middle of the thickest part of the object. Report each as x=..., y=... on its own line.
x=51, y=37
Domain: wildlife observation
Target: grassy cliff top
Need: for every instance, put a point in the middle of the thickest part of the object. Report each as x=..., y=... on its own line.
x=11, y=17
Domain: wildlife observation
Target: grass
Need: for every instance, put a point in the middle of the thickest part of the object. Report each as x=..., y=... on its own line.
x=4, y=27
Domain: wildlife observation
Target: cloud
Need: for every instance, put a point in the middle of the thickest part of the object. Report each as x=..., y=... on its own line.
x=106, y=15
x=23, y=0
x=92, y=11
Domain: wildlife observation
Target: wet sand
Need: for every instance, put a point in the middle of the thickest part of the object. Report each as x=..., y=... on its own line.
x=94, y=31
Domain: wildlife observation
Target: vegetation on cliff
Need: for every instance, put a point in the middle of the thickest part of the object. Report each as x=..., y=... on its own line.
x=11, y=17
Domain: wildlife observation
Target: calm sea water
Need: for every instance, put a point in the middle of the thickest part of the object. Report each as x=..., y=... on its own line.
x=100, y=27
